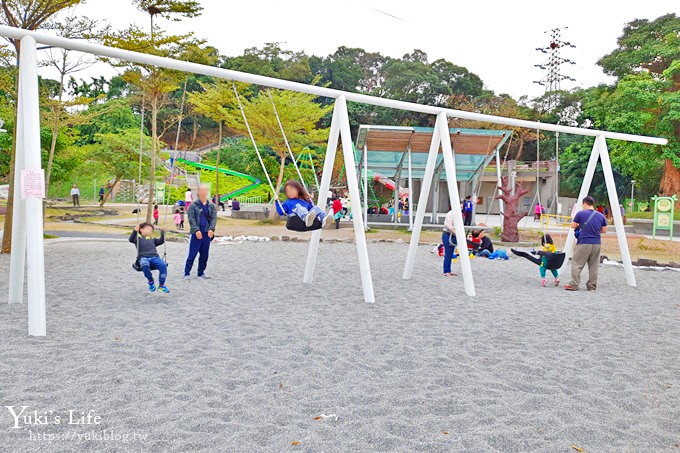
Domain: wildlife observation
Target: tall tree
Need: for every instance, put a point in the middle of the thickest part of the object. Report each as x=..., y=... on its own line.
x=646, y=62
x=300, y=117
x=29, y=15
x=64, y=62
x=217, y=101
x=155, y=83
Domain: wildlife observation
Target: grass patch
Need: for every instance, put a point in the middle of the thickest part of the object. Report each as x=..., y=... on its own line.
x=269, y=222
x=649, y=215
x=49, y=236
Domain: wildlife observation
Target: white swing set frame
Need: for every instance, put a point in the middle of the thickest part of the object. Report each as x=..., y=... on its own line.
x=27, y=258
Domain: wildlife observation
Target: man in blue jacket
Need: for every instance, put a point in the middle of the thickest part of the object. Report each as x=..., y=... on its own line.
x=202, y=216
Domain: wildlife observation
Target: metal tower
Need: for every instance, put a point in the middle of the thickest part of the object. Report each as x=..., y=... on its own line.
x=553, y=66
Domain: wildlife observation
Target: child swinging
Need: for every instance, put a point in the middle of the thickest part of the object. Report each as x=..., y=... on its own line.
x=148, y=258
x=302, y=214
x=547, y=259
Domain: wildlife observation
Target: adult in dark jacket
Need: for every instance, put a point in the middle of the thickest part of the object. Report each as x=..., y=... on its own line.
x=202, y=216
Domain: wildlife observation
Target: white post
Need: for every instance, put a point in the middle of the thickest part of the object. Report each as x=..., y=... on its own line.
x=35, y=253
x=355, y=197
x=454, y=196
x=422, y=201
x=585, y=188
x=17, y=263
x=410, y=192
x=616, y=212
x=340, y=128
x=498, y=184
x=331, y=149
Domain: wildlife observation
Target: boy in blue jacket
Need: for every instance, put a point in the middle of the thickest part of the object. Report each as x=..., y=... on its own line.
x=147, y=255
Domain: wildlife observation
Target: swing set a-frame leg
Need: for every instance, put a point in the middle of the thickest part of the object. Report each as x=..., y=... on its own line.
x=340, y=131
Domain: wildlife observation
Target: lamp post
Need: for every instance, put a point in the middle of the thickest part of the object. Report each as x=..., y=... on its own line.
x=632, y=195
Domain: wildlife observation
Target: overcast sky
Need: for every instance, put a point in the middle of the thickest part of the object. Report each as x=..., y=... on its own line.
x=495, y=39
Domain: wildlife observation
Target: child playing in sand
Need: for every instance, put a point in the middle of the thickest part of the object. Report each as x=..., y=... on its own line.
x=178, y=219
x=147, y=255
x=299, y=203
x=548, y=247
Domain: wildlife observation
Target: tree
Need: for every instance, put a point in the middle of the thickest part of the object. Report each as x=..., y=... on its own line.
x=217, y=101
x=118, y=153
x=300, y=117
x=646, y=62
x=29, y=15
x=511, y=216
x=62, y=61
x=155, y=83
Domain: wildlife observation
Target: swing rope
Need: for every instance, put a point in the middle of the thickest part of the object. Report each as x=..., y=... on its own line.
x=285, y=138
x=252, y=139
x=139, y=176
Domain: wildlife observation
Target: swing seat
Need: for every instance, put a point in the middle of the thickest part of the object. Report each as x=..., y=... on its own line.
x=555, y=260
x=295, y=223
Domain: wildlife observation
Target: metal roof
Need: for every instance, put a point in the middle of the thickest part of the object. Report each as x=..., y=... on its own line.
x=386, y=145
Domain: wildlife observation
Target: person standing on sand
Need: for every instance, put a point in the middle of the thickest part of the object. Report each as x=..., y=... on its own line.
x=449, y=241
x=75, y=195
x=591, y=224
x=188, y=198
x=202, y=220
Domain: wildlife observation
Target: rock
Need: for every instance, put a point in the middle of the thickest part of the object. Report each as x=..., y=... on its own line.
x=285, y=238
x=646, y=262
x=674, y=265
x=603, y=258
x=275, y=238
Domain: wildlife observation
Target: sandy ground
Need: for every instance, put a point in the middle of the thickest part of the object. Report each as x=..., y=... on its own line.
x=248, y=360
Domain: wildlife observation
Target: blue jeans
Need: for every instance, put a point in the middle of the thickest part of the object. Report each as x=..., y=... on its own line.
x=200, y=247
x=148, y=262
x=303, y=212
x=484, y=253
x=447, y=240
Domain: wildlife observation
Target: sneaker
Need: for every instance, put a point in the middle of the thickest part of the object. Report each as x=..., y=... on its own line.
x=328, y=216
x=309, y=220
x=570, y=288
x=187, y=277
x=557, y=282
x=152, y=286
x=163, y=289
x=544, y=282
x=204, y=277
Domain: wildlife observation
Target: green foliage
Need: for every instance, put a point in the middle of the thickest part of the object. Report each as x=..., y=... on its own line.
x=649, y=45
x=170, y=9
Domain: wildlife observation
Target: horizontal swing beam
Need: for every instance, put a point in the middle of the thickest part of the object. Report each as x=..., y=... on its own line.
x=169, y=63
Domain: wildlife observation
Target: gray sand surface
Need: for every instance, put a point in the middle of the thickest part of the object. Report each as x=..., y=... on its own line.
x=247, y=360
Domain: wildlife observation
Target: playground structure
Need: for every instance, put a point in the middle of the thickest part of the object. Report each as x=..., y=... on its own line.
x=28, y=242
x=403, y=153
x=254, y=182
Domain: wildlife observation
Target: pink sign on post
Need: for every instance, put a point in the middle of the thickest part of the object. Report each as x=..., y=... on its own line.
x=33, y=184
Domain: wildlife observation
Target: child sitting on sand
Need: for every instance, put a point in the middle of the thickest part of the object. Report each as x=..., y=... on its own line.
x=299, y=203
x=548, y=247
x=147, y=255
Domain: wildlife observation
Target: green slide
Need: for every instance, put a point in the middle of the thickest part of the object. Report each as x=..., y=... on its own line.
x=255, y=182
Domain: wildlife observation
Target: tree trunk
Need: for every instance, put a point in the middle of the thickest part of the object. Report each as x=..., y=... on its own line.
x=7, y=234
x=55, y=134
x=152, y=163
x=282, y=169
x=511, y=215
x=107, y=194
x=670, y=181
x=217, y=164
